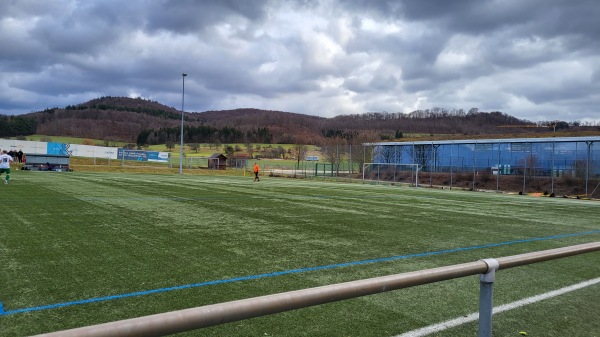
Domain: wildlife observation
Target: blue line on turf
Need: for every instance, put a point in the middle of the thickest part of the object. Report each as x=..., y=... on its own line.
x=285, y=272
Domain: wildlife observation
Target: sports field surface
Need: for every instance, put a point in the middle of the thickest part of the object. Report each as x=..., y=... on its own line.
x=78, y=249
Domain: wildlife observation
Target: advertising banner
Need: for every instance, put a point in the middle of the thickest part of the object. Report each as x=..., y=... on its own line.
x=61, y=149
x=79, y=150
x=140, y=155
x=91, y=151
x=158, y=156
x=23, y=145
x=137, y=155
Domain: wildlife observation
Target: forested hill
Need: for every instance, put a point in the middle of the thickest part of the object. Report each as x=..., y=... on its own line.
x=126, y=119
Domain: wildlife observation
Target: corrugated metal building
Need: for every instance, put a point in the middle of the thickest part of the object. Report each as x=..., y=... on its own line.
x=551, y=157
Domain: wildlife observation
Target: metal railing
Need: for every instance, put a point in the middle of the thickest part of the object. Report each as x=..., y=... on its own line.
x=215, y=314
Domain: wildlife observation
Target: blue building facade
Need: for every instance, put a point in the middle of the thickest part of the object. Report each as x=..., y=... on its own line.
x=576, y=156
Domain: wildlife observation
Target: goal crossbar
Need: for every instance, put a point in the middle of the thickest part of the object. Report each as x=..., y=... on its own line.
x=392, y=172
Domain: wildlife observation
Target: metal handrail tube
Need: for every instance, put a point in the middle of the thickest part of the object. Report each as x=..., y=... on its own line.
x=215, y=314
x=546, y=255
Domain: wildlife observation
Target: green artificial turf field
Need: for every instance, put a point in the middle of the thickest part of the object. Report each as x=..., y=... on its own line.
x=87, y=248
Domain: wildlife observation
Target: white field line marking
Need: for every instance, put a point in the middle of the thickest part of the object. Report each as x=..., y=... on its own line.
x=505, y=307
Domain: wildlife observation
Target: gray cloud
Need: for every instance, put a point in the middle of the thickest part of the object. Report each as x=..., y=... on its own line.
x=537, y=59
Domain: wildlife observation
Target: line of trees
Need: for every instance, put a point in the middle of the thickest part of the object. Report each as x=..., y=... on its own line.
x=138, y=105
x=147, y=111
x=203, y=134
x=11, y=126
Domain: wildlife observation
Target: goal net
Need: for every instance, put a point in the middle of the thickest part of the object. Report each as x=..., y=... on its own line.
x=392, y=173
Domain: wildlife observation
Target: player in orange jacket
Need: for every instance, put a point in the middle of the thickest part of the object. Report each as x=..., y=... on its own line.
x=256, y=169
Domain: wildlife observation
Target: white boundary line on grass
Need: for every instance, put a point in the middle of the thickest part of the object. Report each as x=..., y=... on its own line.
x=505, y=307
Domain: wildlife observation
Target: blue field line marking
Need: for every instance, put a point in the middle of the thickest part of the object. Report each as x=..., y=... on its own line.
x=286, y=272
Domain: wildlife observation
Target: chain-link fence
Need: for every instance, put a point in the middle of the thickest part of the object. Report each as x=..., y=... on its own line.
x=556, y=166
x=552, y=167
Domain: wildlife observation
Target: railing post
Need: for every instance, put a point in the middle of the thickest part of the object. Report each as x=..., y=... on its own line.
x=486, y=297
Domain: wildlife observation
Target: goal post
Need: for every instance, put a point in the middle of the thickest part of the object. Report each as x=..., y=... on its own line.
x=392, y=173
x=324, y=169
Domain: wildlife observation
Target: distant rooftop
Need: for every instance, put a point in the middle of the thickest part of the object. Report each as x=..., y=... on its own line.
x=496, y=141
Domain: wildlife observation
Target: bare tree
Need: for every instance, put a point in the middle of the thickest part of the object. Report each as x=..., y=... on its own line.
x=580, y=168
x=361, y=150
x=194, y=147
x=333, y=150
x=229, y=150
x=299, y=152
x=422, y=155
x=528, y=163
x=250, y=149
x=385, y=154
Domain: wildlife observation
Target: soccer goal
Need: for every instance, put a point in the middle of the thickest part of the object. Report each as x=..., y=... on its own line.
x=324, y=169
x=392, y=173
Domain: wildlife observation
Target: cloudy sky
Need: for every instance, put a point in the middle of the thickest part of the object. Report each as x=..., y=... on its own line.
x=533, y=59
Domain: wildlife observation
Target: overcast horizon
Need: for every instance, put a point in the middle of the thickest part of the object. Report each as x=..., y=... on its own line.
x=537, y=60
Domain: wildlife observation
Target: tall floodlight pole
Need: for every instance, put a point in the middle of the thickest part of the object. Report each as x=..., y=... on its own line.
x=182, y=101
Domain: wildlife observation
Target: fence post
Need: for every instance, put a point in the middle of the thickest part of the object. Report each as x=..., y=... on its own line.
x=486, y=297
